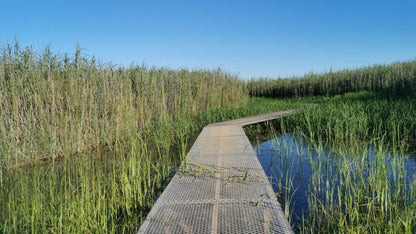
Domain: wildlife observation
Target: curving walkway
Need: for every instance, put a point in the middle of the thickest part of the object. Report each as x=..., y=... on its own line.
x=221, y=189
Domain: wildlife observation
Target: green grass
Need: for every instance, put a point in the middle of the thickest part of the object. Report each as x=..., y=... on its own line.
x=54, y=106
x=394, y=80
x=86, y=146
x=352, y=121
x=355, y=190
x=372, y=193
x=360, y=192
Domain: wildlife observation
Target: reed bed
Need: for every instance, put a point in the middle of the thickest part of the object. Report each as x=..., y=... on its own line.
x=363, y=186
x=352, y=121
x=87, y=146
x=394, y=80
x=356, y=152
x=54, y=106
x=364, y=192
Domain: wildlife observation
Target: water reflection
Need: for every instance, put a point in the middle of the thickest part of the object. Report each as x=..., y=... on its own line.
x=290, y=161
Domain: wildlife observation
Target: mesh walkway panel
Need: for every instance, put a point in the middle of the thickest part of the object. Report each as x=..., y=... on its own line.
x=223, y=188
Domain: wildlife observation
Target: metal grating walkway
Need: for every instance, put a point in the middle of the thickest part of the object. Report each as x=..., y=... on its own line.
x=221, y=189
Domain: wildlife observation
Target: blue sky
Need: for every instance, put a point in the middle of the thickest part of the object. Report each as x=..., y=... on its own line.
x=250, y=38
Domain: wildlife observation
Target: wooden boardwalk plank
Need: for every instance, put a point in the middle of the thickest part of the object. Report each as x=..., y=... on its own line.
x=222, y=188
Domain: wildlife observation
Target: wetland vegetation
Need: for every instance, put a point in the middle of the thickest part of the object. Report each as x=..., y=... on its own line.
x=88, y=147
x=346, y=165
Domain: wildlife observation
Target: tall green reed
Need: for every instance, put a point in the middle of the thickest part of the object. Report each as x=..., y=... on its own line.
x=395, y=80
x=53, y=106
x=358, y=148
x=350, y=122
x=364, y=192
x=87, y=146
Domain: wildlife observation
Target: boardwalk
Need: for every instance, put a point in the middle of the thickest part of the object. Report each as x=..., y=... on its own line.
x=221, y=189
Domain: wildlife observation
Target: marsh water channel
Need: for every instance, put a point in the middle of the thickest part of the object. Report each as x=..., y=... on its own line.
x=302, y=173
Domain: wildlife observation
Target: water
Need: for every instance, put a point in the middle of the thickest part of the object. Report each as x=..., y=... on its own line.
x=289, y=162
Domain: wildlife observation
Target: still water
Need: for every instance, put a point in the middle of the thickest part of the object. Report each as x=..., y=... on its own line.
x=290, y=162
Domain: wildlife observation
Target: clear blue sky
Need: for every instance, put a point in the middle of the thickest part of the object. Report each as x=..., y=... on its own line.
x=250, y=38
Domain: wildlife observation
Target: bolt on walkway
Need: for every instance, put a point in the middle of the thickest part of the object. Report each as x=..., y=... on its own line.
x=222, y=187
